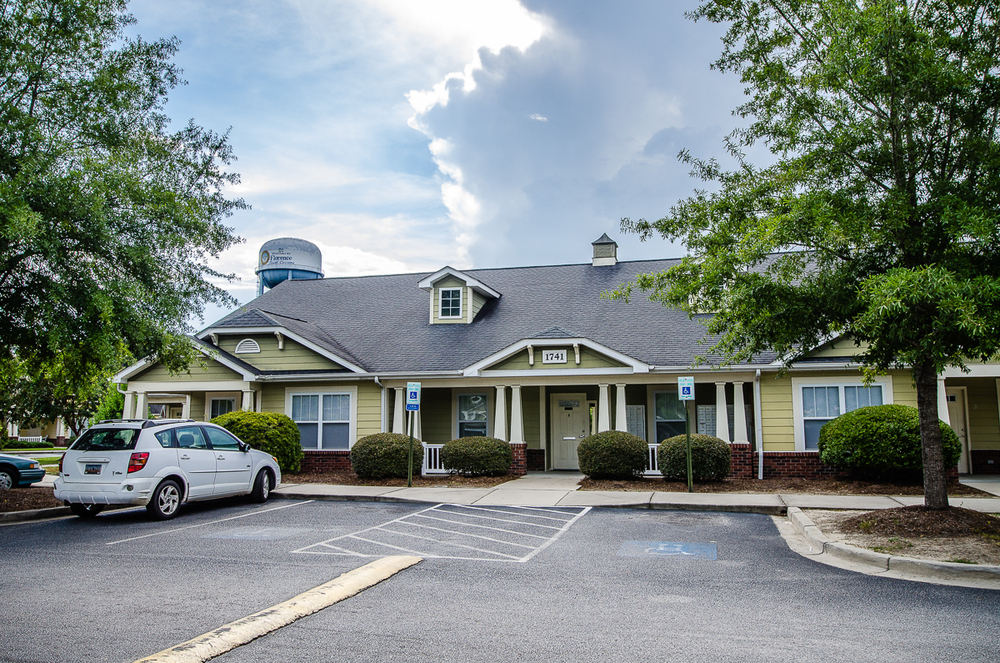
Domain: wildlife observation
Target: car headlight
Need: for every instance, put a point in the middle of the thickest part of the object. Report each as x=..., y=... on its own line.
x=35, y=466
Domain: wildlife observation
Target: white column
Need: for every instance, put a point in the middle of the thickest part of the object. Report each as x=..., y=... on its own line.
x=603, y=410
x=943, y=403
x=739, y=415
x=500, y=419
x=186, y=409
x=621, y=420
x=417, y=428
x=398, y=420
x=60, y=428
x=247, y=403
x=141, y=408
x=721, y=413
x=516, y=418
x=129, y=411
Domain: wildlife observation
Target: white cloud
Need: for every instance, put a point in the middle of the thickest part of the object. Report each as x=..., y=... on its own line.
x=538, y=118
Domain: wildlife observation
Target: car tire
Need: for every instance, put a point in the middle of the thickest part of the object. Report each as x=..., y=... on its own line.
x=8, y=478
x=261, y=487
x=166, y=500
x=86, y=510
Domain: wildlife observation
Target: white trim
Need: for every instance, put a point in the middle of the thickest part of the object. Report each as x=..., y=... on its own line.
x=140, y=387
x=141, y=365
x=975, y=371
x=441, y=292
x=480, y=367
x=323, y=352
x=352, y=431
x=247, y=346
x=839, y=381
x=481, y=288
x=967, y=446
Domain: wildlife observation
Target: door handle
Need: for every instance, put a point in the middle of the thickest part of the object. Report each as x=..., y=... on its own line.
x=185, y=457
x=220, y=457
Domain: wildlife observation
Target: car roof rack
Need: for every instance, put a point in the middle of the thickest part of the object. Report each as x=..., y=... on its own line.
x=146, y=423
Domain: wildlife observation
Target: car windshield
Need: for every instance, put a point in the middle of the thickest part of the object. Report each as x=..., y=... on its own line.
x=108, y=439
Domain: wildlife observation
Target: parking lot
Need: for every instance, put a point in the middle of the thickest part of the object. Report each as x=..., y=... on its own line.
x=496, y=583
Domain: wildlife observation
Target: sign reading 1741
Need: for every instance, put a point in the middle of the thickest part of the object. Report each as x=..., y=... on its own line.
x=412, y=396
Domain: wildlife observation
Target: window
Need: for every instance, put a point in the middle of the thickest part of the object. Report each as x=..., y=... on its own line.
x=165, y=438
x=821, y=403
x=451, y=303
x=324, y=420
x=222, y=406
x=473, y=419
x=247, y=346
x=222, y=440
x=190, y=437
x=669, y=415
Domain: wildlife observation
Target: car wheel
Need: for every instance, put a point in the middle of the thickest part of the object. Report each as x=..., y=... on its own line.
x=166, y=500
x=86, y=510
x=8, y=478
x=261, y=487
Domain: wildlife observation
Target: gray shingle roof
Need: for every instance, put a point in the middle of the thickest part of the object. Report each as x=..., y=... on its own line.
x=381, y=322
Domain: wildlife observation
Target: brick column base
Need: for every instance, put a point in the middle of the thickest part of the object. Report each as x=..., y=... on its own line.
x=520, y=465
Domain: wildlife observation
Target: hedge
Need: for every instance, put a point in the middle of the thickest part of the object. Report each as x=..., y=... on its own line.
x=711, y=458
x=613, y=455
x=882, y=442
x=269, y=432
x=385, y=455
x=477, y=456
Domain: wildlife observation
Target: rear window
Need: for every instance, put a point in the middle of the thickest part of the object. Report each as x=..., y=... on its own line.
x=108, y=439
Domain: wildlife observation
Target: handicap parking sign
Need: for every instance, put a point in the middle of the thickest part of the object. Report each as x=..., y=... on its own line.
x=412, y=396
x=685, y=388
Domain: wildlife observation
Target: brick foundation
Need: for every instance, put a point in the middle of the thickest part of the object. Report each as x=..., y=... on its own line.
x=795, y=465
x=326, y=461
x=520, y=465
x=986, y=461
x=536, y=460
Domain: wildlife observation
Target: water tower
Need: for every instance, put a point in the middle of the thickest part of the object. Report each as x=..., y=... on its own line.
x=287, y=259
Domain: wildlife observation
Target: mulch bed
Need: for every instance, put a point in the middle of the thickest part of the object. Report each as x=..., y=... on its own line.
x=347, y=478
x=811, y=486
x=27, y=499
x=919, y=521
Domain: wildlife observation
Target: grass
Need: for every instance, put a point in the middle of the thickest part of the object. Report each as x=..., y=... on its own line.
x=893, y=545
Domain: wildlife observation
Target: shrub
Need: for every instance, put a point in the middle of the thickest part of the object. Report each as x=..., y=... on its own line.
x=613, y=455
x=386, y=455
x=16, y=444
x=881, y=442
x=269, y=432
x=711, y=458
x=477, y=456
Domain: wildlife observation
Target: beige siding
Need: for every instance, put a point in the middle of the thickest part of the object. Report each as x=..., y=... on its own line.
x=478, y=301
x=369, y=409
x=294, y=356
x=198, y=406
x=984, y=421
x=531, y=416
x=777, y=422
x=842, y=347
x=203, y=369
x=588, y=359
x=903, y=391
x=448, y=282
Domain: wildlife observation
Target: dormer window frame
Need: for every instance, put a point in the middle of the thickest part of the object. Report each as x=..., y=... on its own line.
x=457, y=291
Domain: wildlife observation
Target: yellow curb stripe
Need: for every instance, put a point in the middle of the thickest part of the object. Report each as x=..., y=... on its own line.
x=232, y=635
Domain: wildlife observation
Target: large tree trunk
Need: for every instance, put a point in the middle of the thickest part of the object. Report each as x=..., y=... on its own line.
x=935, y=481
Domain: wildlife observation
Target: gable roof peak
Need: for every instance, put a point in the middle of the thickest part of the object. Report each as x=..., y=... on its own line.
x=428, y=282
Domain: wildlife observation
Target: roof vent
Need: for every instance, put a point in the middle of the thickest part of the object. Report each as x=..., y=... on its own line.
x=605, y=251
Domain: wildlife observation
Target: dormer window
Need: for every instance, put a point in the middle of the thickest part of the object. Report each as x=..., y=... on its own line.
x=451, y=302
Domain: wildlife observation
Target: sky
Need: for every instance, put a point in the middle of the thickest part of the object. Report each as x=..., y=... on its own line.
x=406, y=135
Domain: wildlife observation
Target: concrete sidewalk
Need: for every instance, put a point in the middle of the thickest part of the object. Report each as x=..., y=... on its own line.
x=546, y=489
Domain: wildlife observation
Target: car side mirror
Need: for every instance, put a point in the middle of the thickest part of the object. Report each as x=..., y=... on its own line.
x=244, y=447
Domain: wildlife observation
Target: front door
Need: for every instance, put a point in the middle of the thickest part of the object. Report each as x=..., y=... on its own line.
x=956, y=414
x=570, y=424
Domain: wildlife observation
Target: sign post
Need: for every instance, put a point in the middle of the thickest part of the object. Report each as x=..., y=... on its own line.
x=685, y=393
x=412, y=406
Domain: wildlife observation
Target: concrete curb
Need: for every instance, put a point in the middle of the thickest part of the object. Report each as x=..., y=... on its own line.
x=918, y=567
x=34, y=514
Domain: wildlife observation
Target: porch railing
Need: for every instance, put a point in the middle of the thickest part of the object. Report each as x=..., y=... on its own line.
x=652, y=462
x=432, y=460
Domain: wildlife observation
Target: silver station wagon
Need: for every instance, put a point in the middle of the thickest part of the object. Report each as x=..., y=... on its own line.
x=160, y=464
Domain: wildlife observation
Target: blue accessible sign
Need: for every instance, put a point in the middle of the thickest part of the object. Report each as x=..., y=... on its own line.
x=412, y=396
x=685, y=388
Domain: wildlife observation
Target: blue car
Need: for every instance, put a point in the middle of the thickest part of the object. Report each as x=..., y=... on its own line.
x=16, y=471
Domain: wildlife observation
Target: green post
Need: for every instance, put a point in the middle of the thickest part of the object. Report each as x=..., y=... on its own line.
x=687, y=432
x=409, y=469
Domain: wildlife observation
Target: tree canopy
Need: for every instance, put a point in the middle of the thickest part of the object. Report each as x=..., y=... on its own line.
x=107, y=219
x=878, y=217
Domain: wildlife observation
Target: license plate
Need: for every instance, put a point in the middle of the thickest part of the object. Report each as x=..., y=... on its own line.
x=92, y=469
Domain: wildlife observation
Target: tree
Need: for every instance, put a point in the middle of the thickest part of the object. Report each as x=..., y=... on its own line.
x=106, y=218
x=878, y=218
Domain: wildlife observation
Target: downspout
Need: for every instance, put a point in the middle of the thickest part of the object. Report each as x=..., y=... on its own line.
x=758, y=426
x=382, y=387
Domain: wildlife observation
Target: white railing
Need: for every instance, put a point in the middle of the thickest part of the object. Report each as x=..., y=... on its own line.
x=432, y=460
x=652, y=462
x=29, y=440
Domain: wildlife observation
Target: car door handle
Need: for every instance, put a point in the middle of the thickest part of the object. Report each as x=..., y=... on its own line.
x=220, y=457
x=185, y=457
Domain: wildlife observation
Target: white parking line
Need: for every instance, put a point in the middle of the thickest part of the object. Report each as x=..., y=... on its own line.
x=213, y=522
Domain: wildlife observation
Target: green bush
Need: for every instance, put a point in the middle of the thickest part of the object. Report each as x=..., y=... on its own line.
x=15, y=444
x=269, y=432
x=613, y=455
x=881, y=442
x=385, y=455
x=711, y=458
x=477, y=456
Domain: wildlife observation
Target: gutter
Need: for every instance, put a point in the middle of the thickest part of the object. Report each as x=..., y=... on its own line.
x=382, y=387
x=758, y=425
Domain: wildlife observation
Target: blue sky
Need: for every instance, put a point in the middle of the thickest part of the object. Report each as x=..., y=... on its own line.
x=405, y=135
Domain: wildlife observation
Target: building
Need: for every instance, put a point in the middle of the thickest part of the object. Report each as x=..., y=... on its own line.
x=531, y=355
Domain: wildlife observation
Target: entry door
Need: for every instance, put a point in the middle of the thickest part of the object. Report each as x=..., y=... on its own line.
x=570, y=424
x=956, y=414
x=175, y=411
